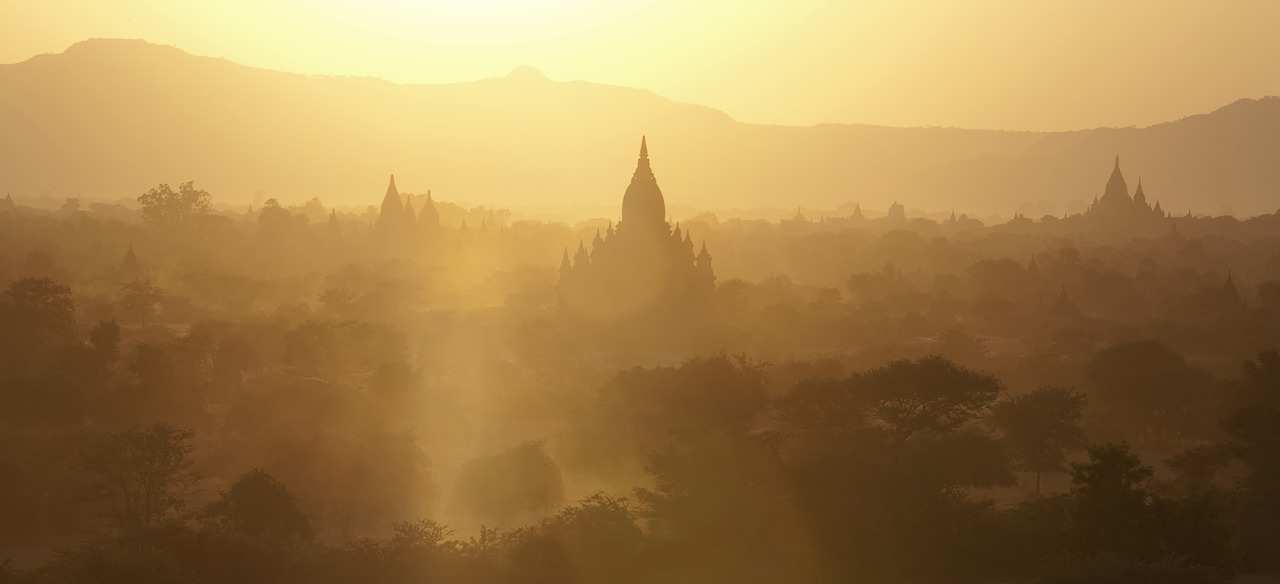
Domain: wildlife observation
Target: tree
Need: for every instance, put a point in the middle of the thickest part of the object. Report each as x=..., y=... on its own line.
x=718, y=510
x=142, y=298
x=1255, y=441
x=1269, y=294
x=1150, y=393
x=162, y=206
x=1262, y=380
x=1110, y=500
x=930, y=394
x=1040, y=427
x=38, y=317
x=276, y=221
x=257, y=505
x=502, y=486
x=142, y=475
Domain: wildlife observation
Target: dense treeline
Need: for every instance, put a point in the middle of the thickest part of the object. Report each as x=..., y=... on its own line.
x=264, y=399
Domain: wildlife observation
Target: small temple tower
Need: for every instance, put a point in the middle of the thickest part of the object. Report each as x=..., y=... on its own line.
x=130, y=269
x=428, y=216
x=391, y=216
x=410, y=218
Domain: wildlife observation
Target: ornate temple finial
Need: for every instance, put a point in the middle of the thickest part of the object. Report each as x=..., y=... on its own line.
x=643, y=170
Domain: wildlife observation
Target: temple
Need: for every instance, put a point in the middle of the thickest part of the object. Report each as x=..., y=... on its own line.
x=640, y=274
x=1116, y=204
x=398, y=223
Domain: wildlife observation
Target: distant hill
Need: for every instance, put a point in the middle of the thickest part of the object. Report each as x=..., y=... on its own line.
x=110, y=118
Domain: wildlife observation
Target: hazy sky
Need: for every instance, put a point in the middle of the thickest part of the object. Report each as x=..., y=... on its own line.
x=1010, y=64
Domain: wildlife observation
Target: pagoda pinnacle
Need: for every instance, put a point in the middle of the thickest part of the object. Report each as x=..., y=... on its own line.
x=643, y=170
x=642, y=204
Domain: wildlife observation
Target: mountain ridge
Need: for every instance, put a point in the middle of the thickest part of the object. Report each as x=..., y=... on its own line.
x=110, y=117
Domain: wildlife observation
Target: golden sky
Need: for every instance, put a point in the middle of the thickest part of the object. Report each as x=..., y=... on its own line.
x=1008, y=64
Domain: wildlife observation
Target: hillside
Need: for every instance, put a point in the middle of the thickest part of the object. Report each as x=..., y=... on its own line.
x=110, y=118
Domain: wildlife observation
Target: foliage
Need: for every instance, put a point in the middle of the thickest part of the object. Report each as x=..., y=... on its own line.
x=258, y=505
x=163, y=206
x=1111, y=499
x=1040, y=427
x=141, y=475
x=930, y=394
x=125, y=564
x=38, y=317
x=503, y=486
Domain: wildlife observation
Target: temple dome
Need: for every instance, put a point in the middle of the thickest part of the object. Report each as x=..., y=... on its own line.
x=643, y=205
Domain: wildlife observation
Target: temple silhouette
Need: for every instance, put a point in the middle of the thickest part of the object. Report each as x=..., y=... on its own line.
x=639, y=277
x=1115, y=203
x=399, y=223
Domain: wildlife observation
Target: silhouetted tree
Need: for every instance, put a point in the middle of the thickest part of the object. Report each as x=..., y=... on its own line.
x=1110, y=501
x=1151, y=394
x=163, y=206
x=142, y=475
x=1255, y=440
x=503, y=486
x=142, y=299
x=256, y=505
x=1040, y=427
x=930, y=394
x=718, y=510
x=38, y=317
x=123, y=563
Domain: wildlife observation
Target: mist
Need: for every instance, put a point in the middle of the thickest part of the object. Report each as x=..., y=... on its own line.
x=259, y=327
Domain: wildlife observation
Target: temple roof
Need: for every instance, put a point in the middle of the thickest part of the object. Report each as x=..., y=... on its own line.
x=428, y=215
x=1116, y=187
x=643, y=204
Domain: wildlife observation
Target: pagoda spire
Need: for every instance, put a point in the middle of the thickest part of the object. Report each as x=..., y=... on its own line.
x=643, y=170
x=428, y=216
x=129, y=267
x=642, y=205
x=1140, y=197
x=1116, y=192
x=410, y=217
x=391, y=215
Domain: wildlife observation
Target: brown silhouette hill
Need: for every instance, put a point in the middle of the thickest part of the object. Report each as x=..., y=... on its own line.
x=110, y=118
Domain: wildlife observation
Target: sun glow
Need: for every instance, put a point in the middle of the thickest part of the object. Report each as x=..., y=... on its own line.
x=470, y=22
x=906, y=62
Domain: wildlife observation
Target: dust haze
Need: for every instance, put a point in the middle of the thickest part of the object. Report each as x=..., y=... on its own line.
x=260, y=327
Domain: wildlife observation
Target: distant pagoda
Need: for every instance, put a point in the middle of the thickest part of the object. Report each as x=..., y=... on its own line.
x=398, y=223
x=641, y=276
x=1115, y=204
